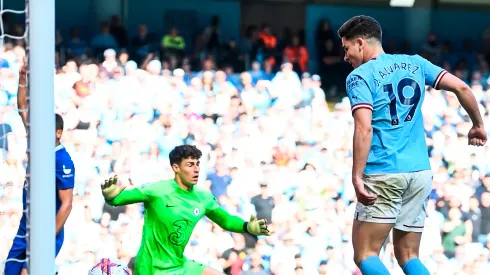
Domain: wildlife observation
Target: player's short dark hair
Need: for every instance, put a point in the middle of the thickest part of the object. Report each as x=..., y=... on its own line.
x=59, y=122
x=361, y=26
x=179, y=153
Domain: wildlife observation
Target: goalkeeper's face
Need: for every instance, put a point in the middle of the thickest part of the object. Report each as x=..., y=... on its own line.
x=188, y=171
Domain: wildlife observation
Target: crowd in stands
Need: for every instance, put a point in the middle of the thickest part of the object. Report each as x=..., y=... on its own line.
x=272, y=147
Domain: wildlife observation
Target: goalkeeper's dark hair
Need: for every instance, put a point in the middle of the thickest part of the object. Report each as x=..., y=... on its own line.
x=59, y=122
x=179, y=153
x=361, y=26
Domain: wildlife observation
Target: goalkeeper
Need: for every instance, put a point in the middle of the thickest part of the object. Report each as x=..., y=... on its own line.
x=172, y=210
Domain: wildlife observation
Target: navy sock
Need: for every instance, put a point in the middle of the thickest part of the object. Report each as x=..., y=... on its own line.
x=415, y=266
x=373, y=266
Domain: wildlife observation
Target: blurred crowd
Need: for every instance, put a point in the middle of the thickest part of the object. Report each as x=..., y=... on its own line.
x=272, y=146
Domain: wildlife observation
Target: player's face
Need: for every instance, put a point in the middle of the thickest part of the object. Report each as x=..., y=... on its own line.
x=188, y=170
x=58, y=135
x=353, y=51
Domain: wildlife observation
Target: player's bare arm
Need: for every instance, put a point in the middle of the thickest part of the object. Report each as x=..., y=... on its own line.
x=22, y=93
x=363, y=134
x=66, y=197
x=477, y=135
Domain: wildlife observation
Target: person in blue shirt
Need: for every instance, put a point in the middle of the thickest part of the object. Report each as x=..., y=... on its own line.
x=16, y=262
x=391, y=172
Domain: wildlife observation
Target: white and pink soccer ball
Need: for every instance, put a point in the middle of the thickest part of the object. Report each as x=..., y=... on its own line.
x=109, y=266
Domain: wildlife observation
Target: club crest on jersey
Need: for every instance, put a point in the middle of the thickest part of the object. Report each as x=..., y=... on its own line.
x=197, y=211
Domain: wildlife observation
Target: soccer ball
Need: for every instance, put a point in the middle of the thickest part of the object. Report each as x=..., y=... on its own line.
x=109, y=266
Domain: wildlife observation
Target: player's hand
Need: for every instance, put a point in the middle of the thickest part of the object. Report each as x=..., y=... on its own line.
x=110, y=188
x=258, y=227
x=477, y=136
x=363, y=196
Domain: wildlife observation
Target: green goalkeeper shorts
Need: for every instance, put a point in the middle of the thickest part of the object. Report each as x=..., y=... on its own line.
x=189, y=268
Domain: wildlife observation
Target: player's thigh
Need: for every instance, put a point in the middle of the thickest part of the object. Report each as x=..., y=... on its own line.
x=414, y=207
x=389, y=189
x=410, y=224
x=195, y=268
x=368, y=238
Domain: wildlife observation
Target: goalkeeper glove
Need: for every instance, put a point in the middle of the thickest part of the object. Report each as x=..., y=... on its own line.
x=110, y=189
x=257, y=227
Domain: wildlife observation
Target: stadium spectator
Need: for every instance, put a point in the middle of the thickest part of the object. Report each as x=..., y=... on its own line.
x=298, y=55
x=263, y=203
x=5, y=130
x=173, y=44
x=76, y=46
x=103, y=40
x=141, y=43
x=269, y=45
x=118, y=31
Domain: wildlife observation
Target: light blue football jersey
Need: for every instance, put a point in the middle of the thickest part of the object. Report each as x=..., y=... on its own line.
x=393, y=87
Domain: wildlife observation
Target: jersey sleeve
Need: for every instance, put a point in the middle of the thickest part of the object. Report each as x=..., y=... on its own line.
x=65, y=174
x=359, y=93
x=152, y=189
x=221, y=217
x=432, y=73
x=143, y=193
x=211, y=202
x=128, y=197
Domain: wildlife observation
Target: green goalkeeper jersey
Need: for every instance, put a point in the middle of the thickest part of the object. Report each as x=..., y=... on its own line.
x=171, y=213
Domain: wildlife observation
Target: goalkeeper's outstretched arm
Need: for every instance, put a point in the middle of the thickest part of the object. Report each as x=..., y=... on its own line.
x=127, y=197
x=115, y=195
x=236, y=224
